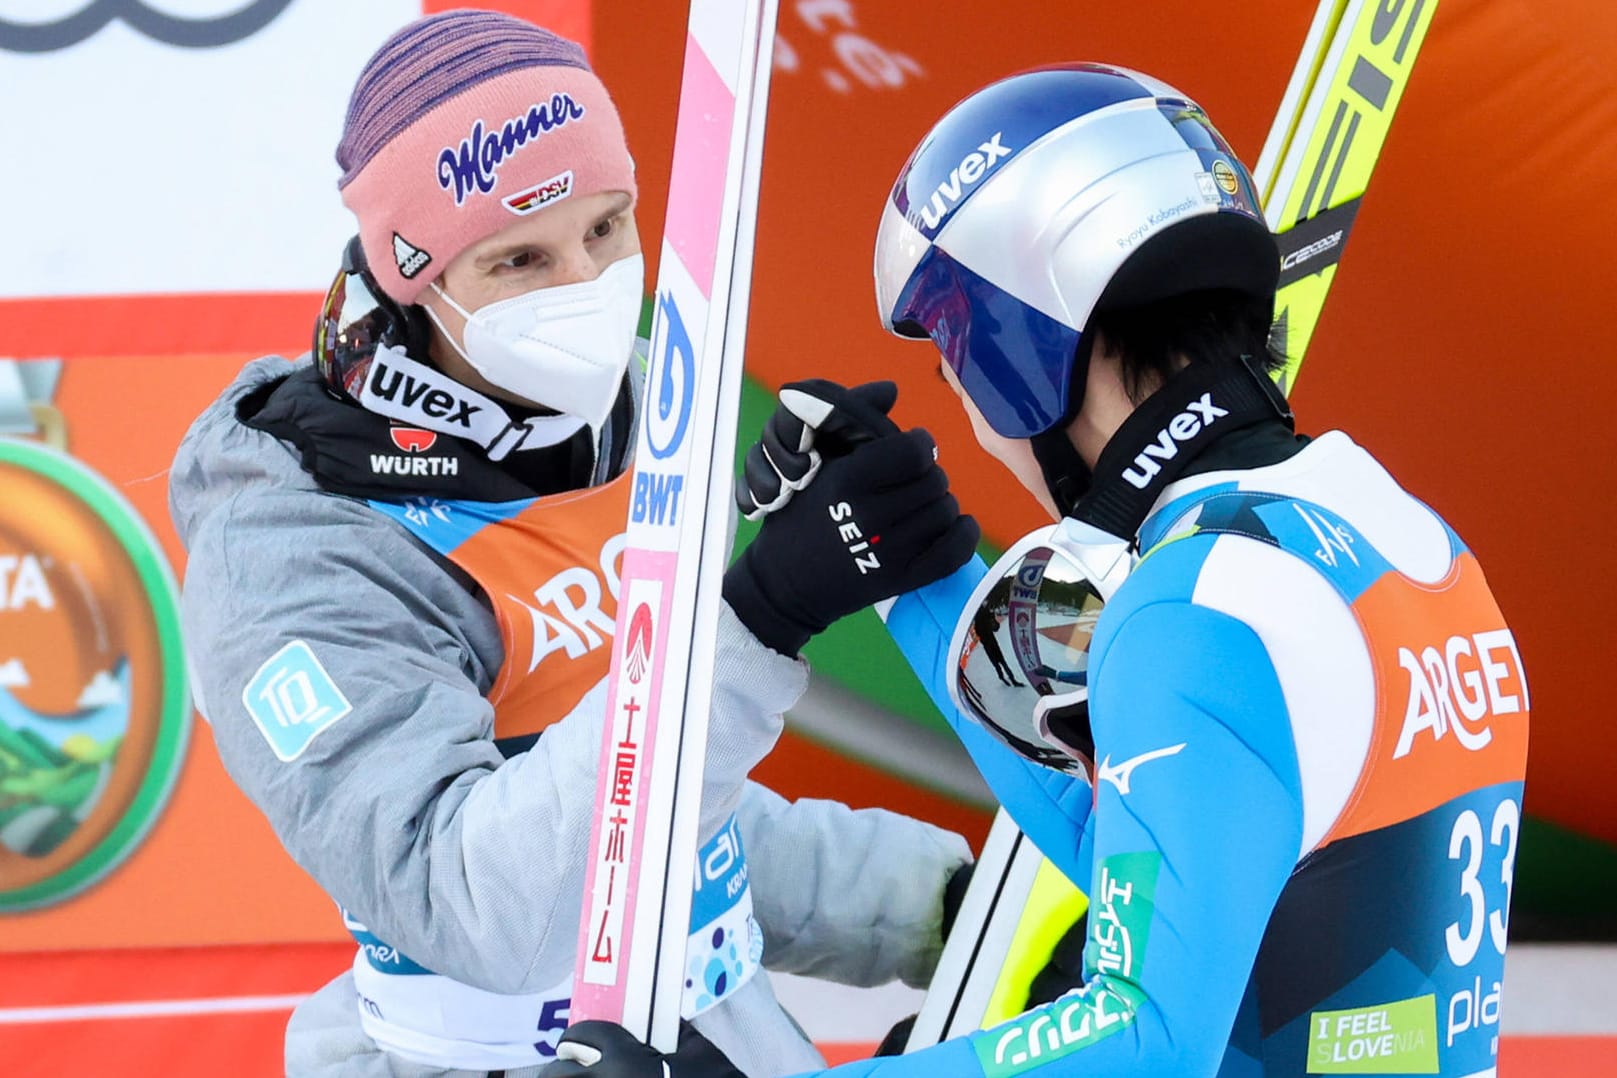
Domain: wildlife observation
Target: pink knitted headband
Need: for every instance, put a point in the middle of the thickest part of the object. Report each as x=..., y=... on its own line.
x=511, y=135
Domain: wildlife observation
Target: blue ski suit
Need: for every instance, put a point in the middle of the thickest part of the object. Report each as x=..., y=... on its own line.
x=1310, y=724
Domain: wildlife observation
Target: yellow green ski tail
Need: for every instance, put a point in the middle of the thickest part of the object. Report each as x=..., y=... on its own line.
x=1329, y=150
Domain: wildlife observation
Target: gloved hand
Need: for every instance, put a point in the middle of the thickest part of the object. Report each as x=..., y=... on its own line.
x=607, y=1050
x=816, y=419
x=1065, y=970
x=954, y=893
x=874, y=523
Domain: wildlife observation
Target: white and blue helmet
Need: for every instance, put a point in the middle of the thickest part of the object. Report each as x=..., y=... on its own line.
x=1044, y=197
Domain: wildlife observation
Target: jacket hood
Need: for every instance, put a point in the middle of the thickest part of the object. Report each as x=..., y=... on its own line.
x=220, y=456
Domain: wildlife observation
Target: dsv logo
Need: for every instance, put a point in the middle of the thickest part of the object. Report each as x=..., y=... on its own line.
x=209, y=32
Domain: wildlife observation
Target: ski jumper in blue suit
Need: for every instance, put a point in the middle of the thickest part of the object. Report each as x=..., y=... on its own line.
x=1310, y=726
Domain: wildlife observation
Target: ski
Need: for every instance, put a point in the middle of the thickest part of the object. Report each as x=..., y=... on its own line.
x=637, y=889
x=1323, y=167
x=1311, y=174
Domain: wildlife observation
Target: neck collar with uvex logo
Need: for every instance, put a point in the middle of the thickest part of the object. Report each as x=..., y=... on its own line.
x=352, y=451
x=1157, y=442
x=417, y=395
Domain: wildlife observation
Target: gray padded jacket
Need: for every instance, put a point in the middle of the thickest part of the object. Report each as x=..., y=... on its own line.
x=406, y=813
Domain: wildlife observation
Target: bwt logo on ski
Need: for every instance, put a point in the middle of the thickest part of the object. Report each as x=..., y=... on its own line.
x=401, y=388
x=854, y=539
x=656, y=498
x=472, y=166
x=972, y=168
x=1181, y=428
x=670, y=398
x=1460, y=688
x=671, y=382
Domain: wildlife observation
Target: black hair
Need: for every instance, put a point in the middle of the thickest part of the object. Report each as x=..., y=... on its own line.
x=1201, y=327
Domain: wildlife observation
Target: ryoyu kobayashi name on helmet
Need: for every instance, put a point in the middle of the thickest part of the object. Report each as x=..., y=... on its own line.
x=413, y=441
x=1196, y=417
x=1156, y=221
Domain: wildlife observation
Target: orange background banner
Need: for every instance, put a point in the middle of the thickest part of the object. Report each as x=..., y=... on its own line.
x=1463, y=340
x=1456, y=344
x=1462, y=344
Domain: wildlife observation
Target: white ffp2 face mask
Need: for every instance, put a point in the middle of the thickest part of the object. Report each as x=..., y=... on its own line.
x=565, y=347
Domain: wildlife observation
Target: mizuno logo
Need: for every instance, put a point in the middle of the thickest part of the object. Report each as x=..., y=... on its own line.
x=969, y=171
x=1181, y=428
x=1119, y=776
x=400, y=388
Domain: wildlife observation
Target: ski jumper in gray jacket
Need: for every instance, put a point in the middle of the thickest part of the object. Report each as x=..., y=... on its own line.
x=356, y=679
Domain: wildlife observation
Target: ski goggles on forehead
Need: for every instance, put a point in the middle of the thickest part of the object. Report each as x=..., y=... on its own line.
x=1019, y=656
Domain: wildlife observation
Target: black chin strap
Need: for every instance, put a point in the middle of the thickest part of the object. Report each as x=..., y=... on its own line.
x=1066, y=476
x=1170, y=428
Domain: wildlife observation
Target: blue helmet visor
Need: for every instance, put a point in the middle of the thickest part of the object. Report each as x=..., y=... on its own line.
x=979, y=329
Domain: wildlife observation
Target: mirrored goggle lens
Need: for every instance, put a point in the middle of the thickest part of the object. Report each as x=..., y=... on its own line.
x=352, y=323
x=1022, y=664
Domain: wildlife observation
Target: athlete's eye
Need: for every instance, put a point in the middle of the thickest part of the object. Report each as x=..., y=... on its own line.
x=603, y=229
x=517, y=261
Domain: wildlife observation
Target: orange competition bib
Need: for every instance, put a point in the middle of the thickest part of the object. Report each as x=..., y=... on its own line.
x=549, y=567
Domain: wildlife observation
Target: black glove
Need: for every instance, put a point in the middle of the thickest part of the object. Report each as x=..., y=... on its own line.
x=607, y=1050
x=1065, y=970
x=897, y=1039
x=816, y=419
x=875, y=523
x=954, y=893
x=1060, y=975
